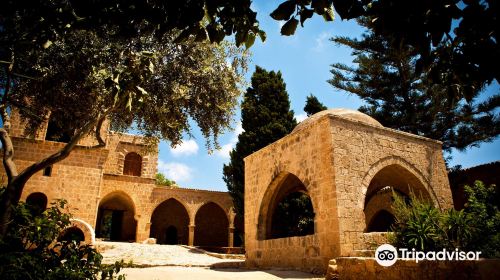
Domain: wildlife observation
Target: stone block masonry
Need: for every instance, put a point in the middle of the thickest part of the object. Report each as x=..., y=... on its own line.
x=346, y=161
x=112, y=205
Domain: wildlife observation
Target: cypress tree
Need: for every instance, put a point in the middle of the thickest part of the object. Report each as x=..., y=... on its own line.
x=313, y=105
x=265, y=118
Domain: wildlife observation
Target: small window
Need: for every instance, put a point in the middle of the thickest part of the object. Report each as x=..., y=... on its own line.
x=47, y=171
x=132, y=165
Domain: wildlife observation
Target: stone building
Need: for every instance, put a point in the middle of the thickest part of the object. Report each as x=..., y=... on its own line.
x=111, y=192
x=349, y=165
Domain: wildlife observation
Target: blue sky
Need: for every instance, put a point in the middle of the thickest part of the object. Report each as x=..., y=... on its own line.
x=304, y=61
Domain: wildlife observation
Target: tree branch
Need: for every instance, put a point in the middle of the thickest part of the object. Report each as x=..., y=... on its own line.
x=58, y=156
x=8, y=155
x=98, y=135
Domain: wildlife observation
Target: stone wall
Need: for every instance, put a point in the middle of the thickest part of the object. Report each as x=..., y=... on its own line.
x=92, y=181
x=368, y=269
x=342, y=162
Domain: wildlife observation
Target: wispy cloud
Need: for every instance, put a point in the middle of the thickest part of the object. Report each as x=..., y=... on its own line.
x=301, y=117
x=186, y=148
x=176, y=171
x=225, y=149
x=321, y=41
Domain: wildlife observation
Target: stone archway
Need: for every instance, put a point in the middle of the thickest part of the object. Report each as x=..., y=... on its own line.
x=378, y=199
x=80, y=231
x=211, y=226
x=116, y=218
x=169, y=223
x=286, y=209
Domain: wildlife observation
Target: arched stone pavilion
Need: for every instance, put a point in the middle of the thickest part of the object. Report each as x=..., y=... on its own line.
x=349, y=165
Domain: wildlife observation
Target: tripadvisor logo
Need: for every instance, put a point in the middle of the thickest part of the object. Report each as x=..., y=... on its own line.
x=387, y=255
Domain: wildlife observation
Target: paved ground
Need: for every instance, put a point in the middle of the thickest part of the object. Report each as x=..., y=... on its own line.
x=169, y=262
x=155, y=255
x=195, y=273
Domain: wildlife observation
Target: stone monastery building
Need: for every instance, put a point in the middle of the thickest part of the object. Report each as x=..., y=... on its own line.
x=345, y=162
x=111, y=192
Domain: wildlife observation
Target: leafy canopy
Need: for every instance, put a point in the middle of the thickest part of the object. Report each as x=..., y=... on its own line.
x=32, y=248
x=313, y=105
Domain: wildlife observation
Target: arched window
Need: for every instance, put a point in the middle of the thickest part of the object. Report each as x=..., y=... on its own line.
x=378, y=200
x=286, y=210
x=132, y=165
x=37, y=202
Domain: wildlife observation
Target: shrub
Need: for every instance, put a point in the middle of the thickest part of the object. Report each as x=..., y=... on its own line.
x=30, y=249
x=420, y=225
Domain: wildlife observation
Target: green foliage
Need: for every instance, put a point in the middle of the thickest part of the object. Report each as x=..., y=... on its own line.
x=313, y=105
x=202, y=20
x=164, y=181
x=293, y=216
x=419, y=224
x=30, y=249
x=265, y=118
x=401, y=97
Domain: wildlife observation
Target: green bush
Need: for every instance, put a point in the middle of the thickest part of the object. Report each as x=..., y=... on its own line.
x=30, y=249
x=420, y=225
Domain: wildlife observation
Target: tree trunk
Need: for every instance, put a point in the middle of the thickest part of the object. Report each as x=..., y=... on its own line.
x=16, y=182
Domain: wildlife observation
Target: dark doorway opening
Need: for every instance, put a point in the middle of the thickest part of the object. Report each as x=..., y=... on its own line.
x=171, y=235
x=115, y=218
x=381, y=222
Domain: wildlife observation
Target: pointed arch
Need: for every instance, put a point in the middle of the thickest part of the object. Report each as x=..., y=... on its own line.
x=170, y=223
x=286, y=187
x=211, y=226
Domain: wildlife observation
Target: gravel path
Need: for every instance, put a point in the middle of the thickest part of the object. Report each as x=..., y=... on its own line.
x=155, y=255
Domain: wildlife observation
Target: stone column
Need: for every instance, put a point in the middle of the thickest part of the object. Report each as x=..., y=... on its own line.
x=231, y=236
x=191, y=235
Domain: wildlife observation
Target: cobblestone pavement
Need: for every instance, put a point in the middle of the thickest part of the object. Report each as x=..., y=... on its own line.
x=155, y=255
x=202, y=273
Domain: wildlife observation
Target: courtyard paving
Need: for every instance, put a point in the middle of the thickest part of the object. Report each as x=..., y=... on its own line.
x=169, y=262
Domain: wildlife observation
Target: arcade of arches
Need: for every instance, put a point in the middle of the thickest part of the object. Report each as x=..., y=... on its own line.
x=341, y=166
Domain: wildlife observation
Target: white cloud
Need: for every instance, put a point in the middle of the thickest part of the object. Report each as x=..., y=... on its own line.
x=186, y=148
x=320, y=41
x=225, y=149
x=176, y=171
x=301, y=117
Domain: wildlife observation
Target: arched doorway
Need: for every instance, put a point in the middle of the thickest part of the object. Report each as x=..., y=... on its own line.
x=286, y=209
x=169, y=223
x=115, y=218
x=378, y=200
x=212, y=226
x=37, y=202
